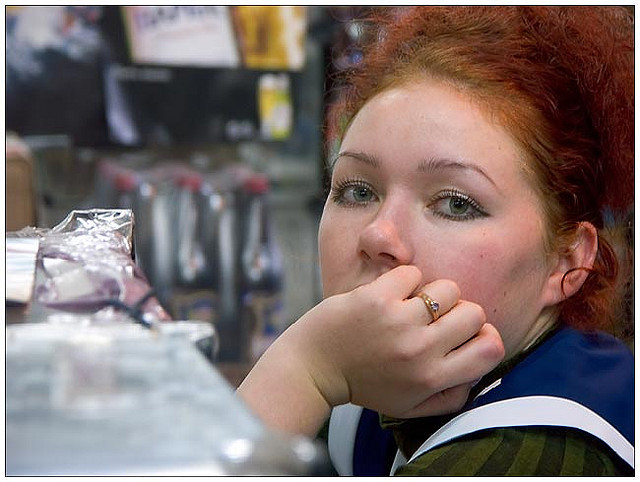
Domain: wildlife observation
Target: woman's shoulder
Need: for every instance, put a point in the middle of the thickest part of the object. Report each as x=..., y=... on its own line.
x=542, y=451
x=581, y=366
x=590, y=369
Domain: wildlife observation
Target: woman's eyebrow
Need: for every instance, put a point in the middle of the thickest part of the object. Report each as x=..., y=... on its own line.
x=358, y=156
x=435, y=164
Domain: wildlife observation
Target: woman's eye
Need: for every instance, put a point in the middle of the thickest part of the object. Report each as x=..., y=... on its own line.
x=456, y=206
x=353, y=193
x=459, y=206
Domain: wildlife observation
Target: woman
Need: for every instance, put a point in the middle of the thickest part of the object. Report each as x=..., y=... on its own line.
x=478, y=150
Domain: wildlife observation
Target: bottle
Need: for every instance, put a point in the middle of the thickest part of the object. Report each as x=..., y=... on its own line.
x=194, y=294
x=274, y=106
x=217, y=232
x=158, y=204
x=262, y=307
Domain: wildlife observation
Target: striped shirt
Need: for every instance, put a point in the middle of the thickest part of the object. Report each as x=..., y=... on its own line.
x=518, y=451
x=541, y=451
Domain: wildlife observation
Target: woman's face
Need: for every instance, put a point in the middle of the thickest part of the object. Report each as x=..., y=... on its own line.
x=424, y=178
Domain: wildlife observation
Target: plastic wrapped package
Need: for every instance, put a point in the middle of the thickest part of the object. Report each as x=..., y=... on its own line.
x=85, y=265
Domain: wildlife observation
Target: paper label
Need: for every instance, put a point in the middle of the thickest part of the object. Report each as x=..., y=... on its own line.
x=195, y=35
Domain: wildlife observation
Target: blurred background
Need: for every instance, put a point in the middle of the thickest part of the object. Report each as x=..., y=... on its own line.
x=207, y=121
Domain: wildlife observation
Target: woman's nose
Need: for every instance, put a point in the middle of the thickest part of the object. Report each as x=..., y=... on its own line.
x=385, y=239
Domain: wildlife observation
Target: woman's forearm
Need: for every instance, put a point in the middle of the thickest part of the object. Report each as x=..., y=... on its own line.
x=282, y=393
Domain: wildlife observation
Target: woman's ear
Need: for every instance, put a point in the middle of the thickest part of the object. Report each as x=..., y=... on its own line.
x=573, y=263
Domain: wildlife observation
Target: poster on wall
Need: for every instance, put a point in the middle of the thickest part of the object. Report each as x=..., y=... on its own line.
x=271, y=37
x=196, y=35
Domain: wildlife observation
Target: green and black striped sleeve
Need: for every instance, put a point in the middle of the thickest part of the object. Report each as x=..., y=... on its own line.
x=541, y=451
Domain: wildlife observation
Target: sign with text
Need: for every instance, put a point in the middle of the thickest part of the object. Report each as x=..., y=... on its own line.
x=194, y=35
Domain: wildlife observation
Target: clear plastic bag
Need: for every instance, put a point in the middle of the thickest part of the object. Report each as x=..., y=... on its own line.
x=85, y=265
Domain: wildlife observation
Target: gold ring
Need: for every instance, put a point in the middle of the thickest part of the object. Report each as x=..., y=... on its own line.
x=432, y=305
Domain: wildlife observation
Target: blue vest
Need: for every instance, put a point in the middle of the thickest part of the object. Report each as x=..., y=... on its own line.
x=574, y=379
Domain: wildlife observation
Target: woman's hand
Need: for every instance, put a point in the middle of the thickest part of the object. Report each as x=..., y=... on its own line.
x=377, y=347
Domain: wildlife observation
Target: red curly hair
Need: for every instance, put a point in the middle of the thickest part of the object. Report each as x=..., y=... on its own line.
x=560, y=79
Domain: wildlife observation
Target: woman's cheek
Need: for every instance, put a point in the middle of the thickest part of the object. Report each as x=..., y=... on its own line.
x=479, y=273
x=336, y=251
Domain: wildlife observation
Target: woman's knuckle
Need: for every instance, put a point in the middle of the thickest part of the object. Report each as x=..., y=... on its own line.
x=405, y=353
x=452, y=287
x=473, y=312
